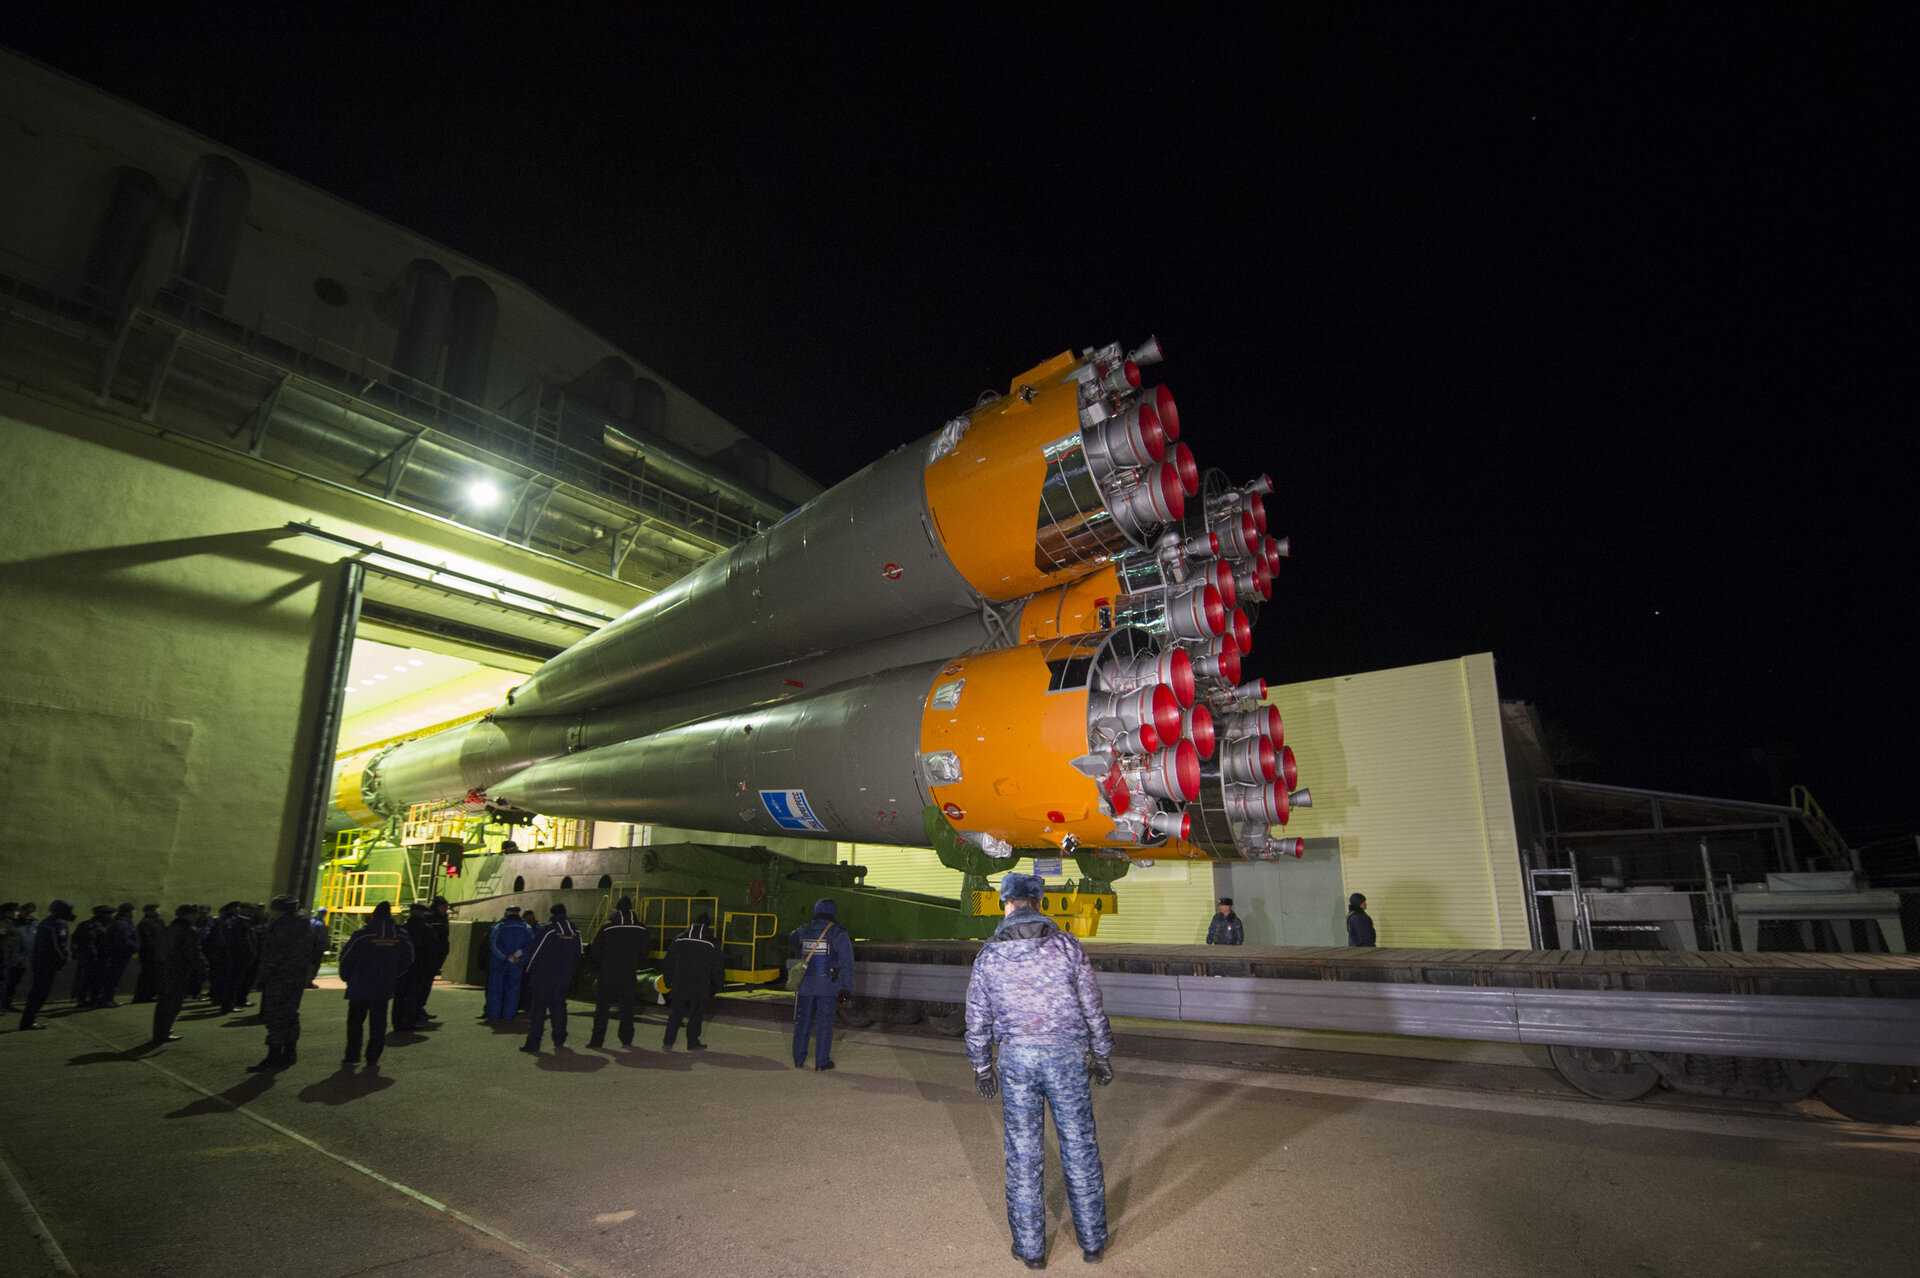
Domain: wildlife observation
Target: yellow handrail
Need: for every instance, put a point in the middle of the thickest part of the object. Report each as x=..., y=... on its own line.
x=1824, y=832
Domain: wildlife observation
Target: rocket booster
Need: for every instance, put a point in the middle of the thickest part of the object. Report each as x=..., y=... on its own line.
x=1030, y=621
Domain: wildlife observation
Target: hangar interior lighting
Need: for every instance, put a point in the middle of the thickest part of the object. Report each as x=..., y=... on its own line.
x=482, y=494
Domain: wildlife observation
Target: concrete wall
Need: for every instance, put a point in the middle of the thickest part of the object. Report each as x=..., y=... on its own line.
x=159, y=628
x=1407, y=770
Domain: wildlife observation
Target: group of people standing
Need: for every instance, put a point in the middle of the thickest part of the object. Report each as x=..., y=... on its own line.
x=533, y=968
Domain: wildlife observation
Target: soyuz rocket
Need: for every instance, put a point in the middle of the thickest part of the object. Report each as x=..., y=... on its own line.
x=1030, y=623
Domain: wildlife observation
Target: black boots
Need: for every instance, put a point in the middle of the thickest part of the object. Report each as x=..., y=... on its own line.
x=277, y=1058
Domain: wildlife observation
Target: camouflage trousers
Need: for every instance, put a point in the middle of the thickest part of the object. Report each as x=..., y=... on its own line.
x=280, y=1012
x=1033, y=1078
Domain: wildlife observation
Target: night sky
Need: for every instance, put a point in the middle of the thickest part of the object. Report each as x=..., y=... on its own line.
x=1585, y=339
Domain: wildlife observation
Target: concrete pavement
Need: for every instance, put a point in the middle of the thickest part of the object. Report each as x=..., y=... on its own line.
x=465, y=1157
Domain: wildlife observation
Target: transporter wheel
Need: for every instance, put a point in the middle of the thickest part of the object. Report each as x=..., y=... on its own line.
x=855, y=1013
x=948, y=1019
x=897, y=1011
x=1605, y=1073
x=1873, y=1093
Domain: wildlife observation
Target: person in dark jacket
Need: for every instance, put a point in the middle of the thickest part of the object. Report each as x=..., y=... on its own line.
x=825, y=952
x=123, y=942
x=1359, y=922
x=52, y=950
x=90, y=956
x=440, y=927
x=373, y=963
x=289, y=950
x=150, y=930
x=411, y=993
x=550, y=964
x=1033, y=992
x=507, y=946
x=179, y=963
x=1224, y=928
x=619, y=948
x=230, y=957
x=12, y=953
x=693, y=971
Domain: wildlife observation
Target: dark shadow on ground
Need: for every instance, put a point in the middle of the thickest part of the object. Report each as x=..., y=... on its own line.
x=344, y=1086
x=567, y=1061
x=939, y=1093
x=103, y=1058
x=641, y=1058
x=248, y=1089
x=405, y=1038
x=729, y=1060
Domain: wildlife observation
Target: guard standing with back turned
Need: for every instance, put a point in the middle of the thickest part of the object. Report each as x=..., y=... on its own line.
x=825, y=953
x=289, y=949
x=1033, y=992
x=178, y=965
x=51, y=951
x=619, y=947
x=507, y=944
x=556, y=950
x=693, y=971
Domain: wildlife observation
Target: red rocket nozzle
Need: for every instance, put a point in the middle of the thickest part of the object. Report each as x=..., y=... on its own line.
x=1264, y=484
x=1238, y=537
x=1295, y=848
x=1180, y=675
x=1275, y=552
x=1198, y=725
x=1260, y=805
x=1198, y=614
x=1249, y=761
x=1255, y=691
x=1147, y=352
x=1121, y=378
x=1172, y=825
x=1258, y=509
x=1222, y=573
x=1289, y=769
x=1162, y=400
x=1173, y=492
x=1174, y=773
x=1229, y=660
x=1188, y=468
x=1240, y=631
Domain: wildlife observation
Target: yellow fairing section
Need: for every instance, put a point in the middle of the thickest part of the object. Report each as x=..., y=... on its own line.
x=985, y=494
x=1074, y=609
x=347, y=796
x=1016, y=743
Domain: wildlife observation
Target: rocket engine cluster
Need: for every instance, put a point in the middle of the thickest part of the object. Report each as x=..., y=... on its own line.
x=1030, y=622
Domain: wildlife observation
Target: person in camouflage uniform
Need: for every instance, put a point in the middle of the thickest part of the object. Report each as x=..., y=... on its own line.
x=289, y=951
x=1034, y=993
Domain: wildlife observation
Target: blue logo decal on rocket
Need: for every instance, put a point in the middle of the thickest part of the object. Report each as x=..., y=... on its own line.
x=789, y=810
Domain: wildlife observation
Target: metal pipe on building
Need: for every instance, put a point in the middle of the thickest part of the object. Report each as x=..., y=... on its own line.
x=213, y=212
x=475, y=312
x=125, y=232
x=426, y=292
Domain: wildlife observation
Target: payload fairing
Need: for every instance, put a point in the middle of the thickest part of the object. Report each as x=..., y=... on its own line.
x=1019, y=632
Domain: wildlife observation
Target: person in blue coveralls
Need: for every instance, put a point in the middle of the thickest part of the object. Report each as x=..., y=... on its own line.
x=507, y=944
x=1033, y=992
x=550, y=963
x=826, y=953
x=373, y=963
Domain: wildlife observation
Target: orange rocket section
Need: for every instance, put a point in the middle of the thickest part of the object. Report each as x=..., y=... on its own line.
x=1016, y=743
x=985, y=494
x=1081, y=608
